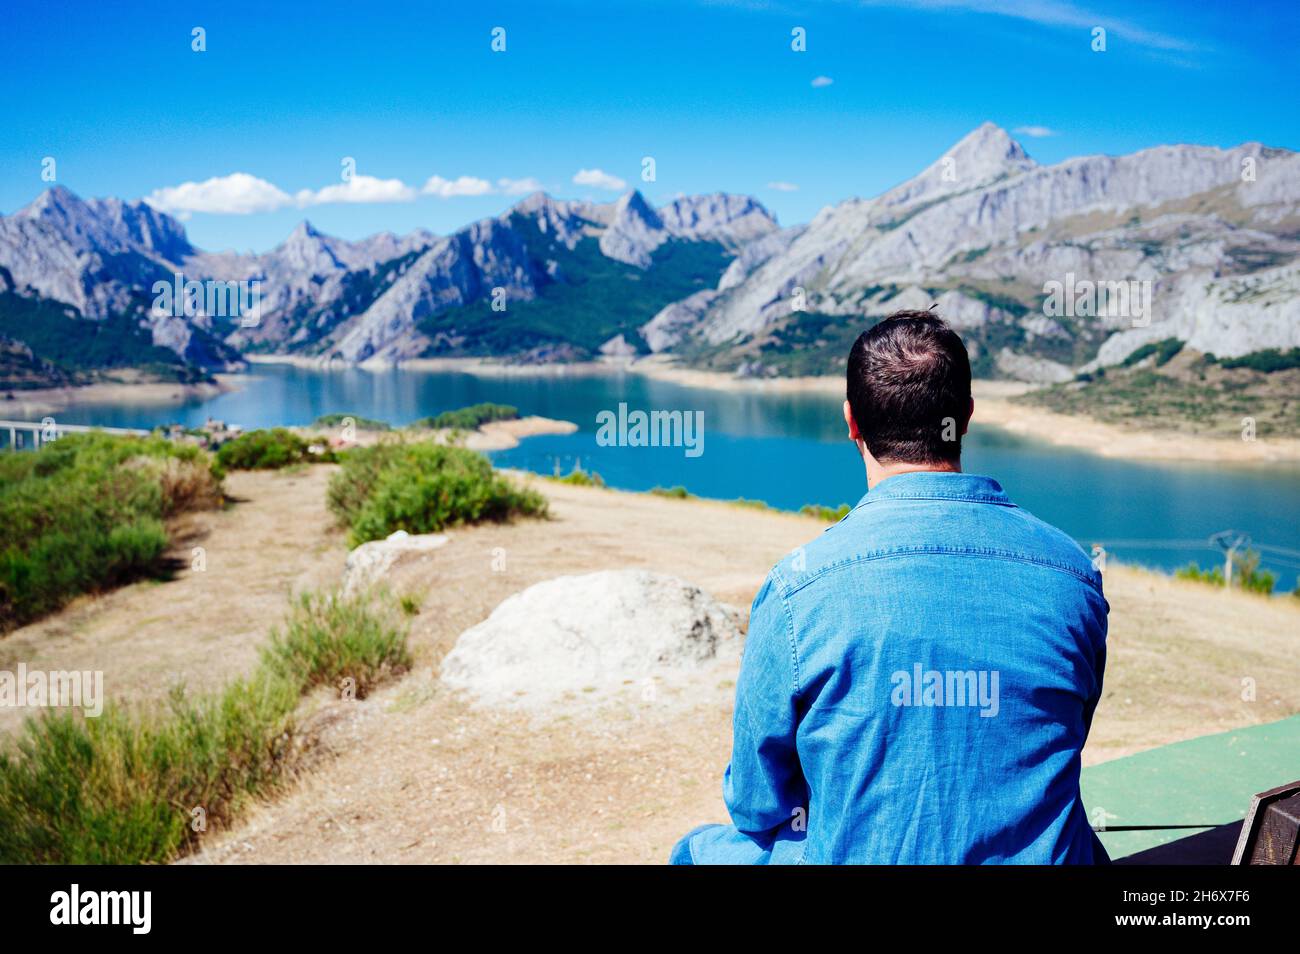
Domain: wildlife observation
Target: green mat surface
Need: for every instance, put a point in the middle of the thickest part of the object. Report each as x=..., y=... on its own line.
x=1204, y=781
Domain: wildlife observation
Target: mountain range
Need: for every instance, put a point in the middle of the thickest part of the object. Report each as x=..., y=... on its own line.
x=712, y=279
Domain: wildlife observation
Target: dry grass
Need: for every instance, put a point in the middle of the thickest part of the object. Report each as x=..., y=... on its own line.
x=410, y=774
x=416, y=776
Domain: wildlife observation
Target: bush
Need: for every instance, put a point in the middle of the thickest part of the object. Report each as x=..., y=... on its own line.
x=122, y=788
x=1246, y=574
x=470, y=418
x=824, y=513
x=88, y=512
x=1164, y=351
x=328, y=639
x=359, y=422
x=267, y=450
x=677, y=493
x=580, y=478
x=1269, y=360
x=422, y=488
x=186, y=484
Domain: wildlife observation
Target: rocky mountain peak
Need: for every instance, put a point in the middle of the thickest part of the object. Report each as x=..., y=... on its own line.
x=634, y=207
x=990, y=146
x=55, y=200
x=565, y=221
x=634, y=231
x=533, y=203
x=718, y=217
x=308, y=250
x=985, y=154
x=304, y=230
x=107, y=224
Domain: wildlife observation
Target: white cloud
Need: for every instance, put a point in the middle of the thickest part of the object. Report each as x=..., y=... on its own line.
x=451, y=188
x=236, y=194
x=599, y=180
x=241, y=194
x=1036, y=132
x=820, y=81
x=522, y=186
x=783, y=187
x=358, y=189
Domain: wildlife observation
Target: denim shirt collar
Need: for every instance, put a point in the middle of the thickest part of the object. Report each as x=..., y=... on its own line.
x=935, y=485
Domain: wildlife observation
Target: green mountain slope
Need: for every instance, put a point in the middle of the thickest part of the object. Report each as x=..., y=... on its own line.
x=588, y=299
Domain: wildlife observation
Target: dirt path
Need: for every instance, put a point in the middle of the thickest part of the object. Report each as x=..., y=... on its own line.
x=413, y=775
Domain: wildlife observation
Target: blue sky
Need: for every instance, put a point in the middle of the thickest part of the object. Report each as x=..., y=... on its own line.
x=712, y=90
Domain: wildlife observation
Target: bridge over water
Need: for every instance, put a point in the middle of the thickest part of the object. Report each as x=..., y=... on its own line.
x=23, y=435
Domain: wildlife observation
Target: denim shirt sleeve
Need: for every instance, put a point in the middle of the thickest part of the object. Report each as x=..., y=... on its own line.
x=764, y=784
x=1098, y=667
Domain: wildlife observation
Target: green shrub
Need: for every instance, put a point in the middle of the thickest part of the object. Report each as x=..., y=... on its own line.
x=123, y=788
x=824, y=513
x=268, y=450
x=470, y=418
x=1246, y=574
x=328, y=639
x=677, y=493
x=1269, y=360
x=580, y=478
x=422, y=488
x=88, y=512
x=359, y=422
x=1193, y=572
x=1163, y=350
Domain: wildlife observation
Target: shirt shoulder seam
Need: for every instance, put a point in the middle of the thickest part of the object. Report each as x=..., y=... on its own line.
x=1000, y=500
x=783, y=590
x=989, y=552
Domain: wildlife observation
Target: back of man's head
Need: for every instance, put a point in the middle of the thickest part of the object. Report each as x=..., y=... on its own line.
x=909, y=389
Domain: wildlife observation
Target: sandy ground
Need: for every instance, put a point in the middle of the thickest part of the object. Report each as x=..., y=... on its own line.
x=503, y=435
x=35, y=404
x=413, y=774
x=492, y=436
x=993, y=407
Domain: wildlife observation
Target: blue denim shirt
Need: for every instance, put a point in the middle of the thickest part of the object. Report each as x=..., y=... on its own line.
x=916, y=688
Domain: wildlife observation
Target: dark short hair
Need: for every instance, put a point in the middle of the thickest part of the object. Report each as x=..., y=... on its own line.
x=909, y=389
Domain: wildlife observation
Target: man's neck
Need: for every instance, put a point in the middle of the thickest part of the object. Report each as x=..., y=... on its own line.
x=876, y=472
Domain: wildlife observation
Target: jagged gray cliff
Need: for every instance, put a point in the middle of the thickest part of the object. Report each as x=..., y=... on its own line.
x=984, y=229
x=983, y=232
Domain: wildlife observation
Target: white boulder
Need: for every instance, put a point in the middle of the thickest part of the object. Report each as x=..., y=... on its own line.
x=368, y=563
x=578, y=638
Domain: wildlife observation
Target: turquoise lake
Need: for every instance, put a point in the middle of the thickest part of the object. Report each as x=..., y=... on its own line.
x=785, y=449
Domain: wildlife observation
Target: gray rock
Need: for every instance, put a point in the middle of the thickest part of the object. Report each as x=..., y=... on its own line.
x=1219, y=247
x=369, y=563
x=579, y=639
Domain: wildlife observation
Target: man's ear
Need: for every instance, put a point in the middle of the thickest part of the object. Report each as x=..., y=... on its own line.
x=969, y=414
x=854, y=433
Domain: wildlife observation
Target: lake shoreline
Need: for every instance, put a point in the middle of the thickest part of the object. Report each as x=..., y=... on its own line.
x=487, y=437
x=41, y=402
x=994, y=407
x=994, y=404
